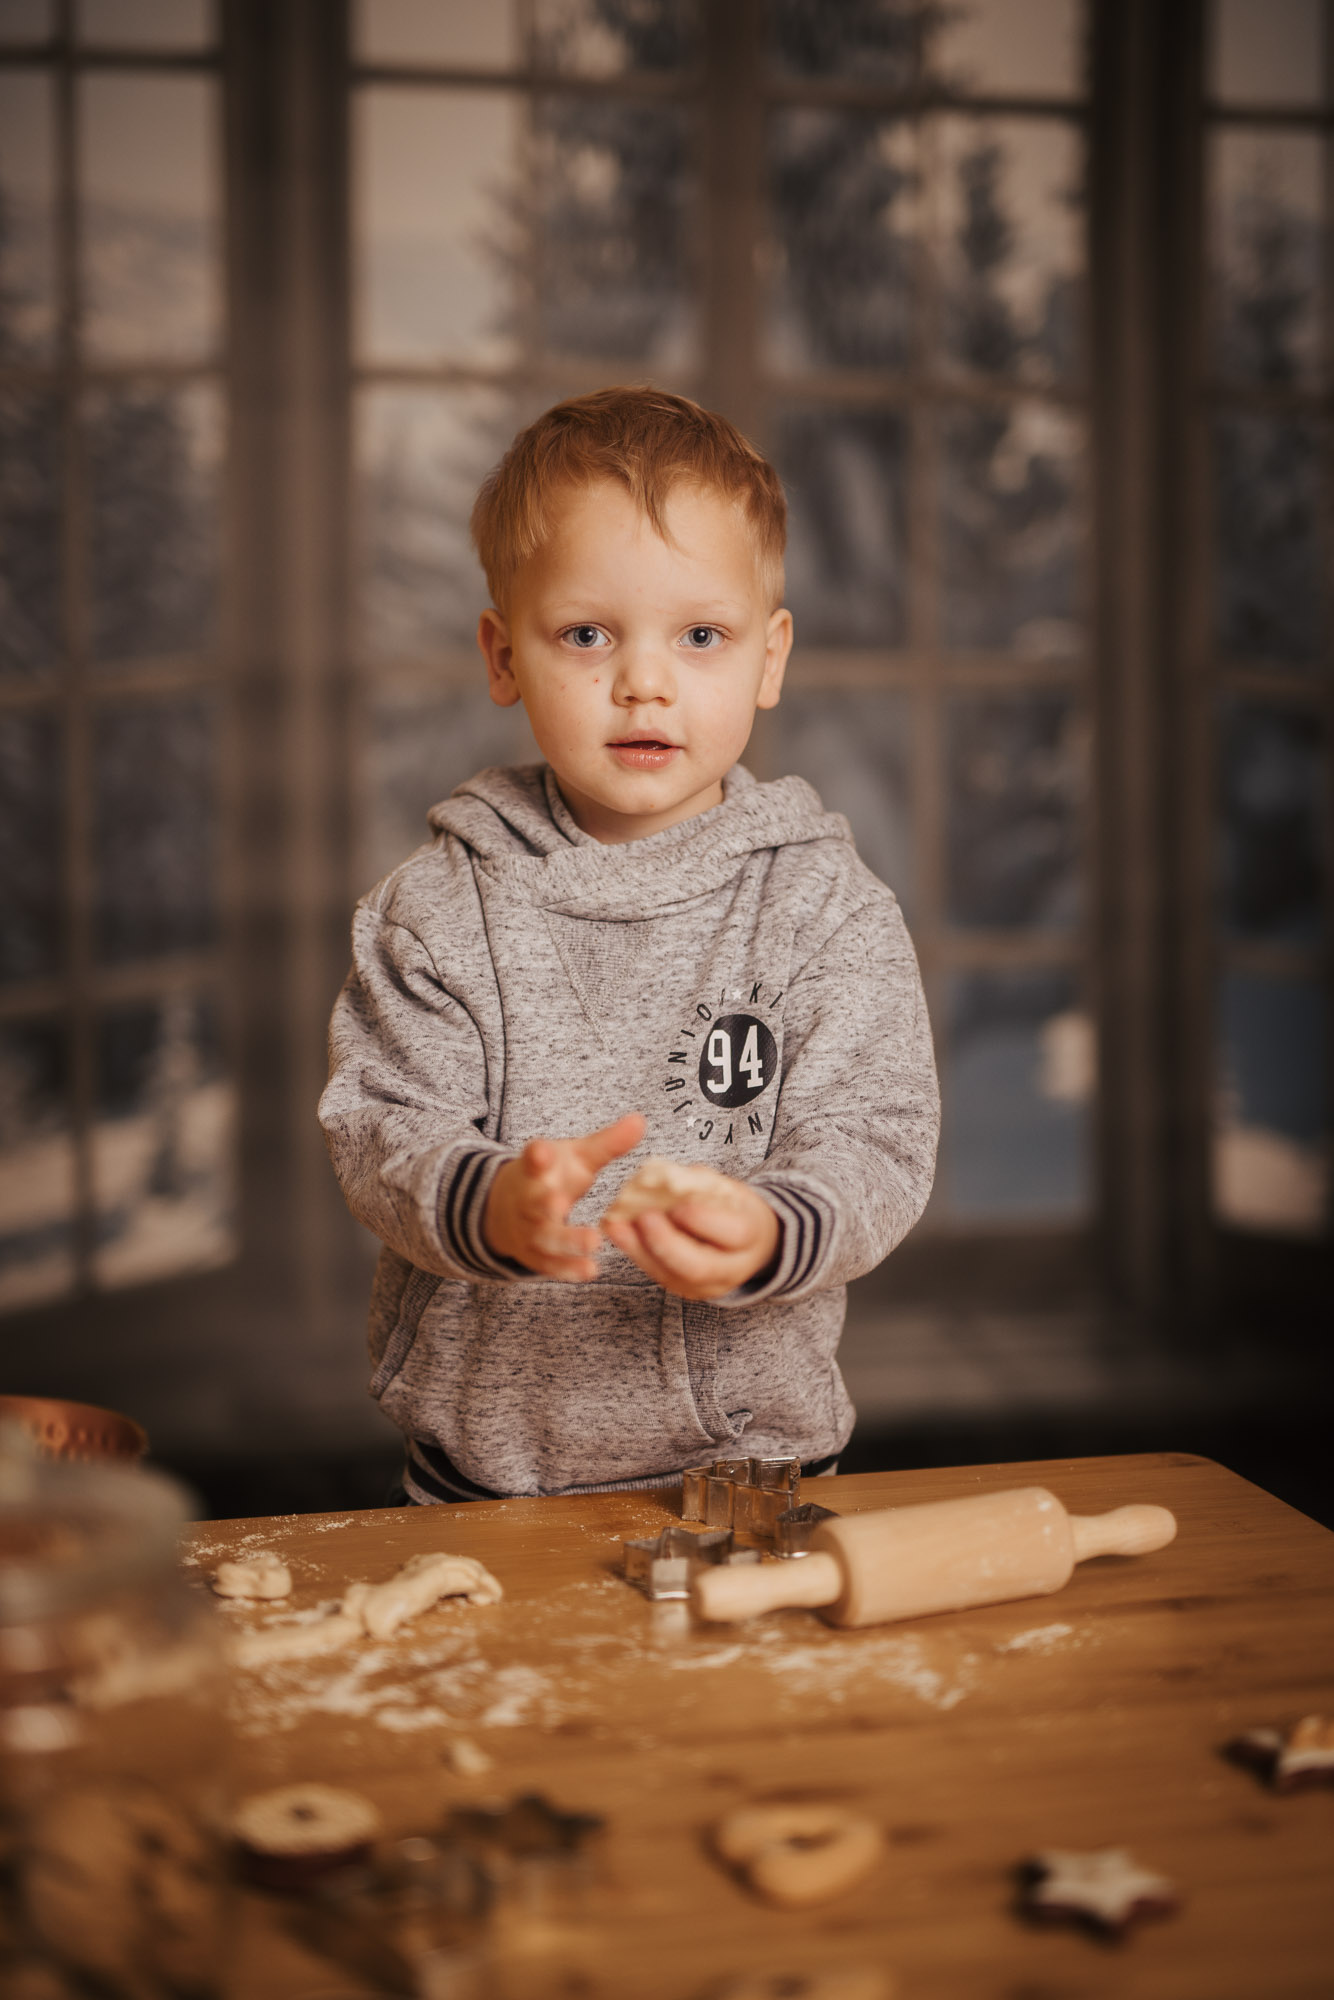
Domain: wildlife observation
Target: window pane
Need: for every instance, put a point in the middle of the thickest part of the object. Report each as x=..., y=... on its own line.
x=615, y=211
x=1017, y=1090
x=154, y=478
x=1267, y=51
x=843, y=194
x=30, y=533
x=1267, y=230
x=1271, y=781
x=1268, y=577
x=874, y=41
x=27, y=216
x=846, y=474
x=31, y=806
x=26, y=21
x=474, y=34
x=440, y=207
x=37, y=1181
x=857, y=751
x=609, y=37
x=421, y=745
x=1011, y=541
x=420, y=456
x=155, y=830
x=1021, y=48
x=163, y=1144
x=149, y=216
x=1017, y=777
x=146, y=24
x=1271, y=1161
x=1011, y=220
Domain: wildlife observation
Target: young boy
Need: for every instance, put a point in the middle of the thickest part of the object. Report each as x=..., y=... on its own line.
x=636, y=944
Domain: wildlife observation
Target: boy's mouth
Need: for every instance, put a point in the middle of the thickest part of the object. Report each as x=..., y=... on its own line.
x=643, y=753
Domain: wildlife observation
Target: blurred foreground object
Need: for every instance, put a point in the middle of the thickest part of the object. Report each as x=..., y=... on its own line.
x=59, y=1429
x=111, y=1749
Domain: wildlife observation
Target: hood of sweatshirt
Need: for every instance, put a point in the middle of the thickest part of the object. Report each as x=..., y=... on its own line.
x=521, y=834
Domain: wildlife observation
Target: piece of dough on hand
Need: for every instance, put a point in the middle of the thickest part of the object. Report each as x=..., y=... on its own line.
x=422, y=1582
x=261, y=1575
x=663, y=1183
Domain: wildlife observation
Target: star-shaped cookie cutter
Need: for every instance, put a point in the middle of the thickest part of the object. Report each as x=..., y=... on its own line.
x=747, y=1494
x=665, y=1565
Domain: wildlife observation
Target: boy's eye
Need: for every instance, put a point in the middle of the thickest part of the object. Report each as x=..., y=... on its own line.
x=583, y=636
x=699, y=637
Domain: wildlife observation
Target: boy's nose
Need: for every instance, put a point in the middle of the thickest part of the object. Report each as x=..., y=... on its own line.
x=644, y=674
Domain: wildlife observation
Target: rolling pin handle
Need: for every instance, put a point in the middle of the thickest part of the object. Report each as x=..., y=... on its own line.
x=726, y=1594
x=1126, y=1531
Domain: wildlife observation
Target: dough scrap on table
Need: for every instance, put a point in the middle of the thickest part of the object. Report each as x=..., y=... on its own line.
x=371, y=1610
x=262, y=1575
x=796, y=1855
x=663, y=1183
x=422, y=1582
x=1104, y=1889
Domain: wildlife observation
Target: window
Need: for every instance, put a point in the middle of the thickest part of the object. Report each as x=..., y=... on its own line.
x=1268, y=657
x=116, y=1097
x=874, y=258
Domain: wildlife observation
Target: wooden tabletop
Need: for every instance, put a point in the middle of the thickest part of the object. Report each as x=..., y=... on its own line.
x=1089, y=1719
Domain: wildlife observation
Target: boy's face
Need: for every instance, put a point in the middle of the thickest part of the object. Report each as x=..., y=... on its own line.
x=641, y=662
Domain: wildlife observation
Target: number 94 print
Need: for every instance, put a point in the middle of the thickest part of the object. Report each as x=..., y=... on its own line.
x=722, y=1062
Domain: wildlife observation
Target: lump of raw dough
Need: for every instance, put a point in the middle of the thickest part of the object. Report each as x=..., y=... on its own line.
x=422, y=1582
x=120, y=1885
x=272, y=1644
x=663, y=1183
x=261, y=1575
x=374, y=1610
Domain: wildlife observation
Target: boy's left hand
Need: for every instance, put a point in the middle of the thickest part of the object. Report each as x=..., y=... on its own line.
x=700, y=1249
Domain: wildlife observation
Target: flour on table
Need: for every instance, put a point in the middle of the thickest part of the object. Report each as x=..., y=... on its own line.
x=1041, y=1639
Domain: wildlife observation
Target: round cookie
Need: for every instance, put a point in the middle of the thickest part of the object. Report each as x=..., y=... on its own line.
x=290, y=1837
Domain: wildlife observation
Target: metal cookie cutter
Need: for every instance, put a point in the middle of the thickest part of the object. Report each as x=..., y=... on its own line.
x=748, y=1494
x=665, y=1564
x=793, y=1530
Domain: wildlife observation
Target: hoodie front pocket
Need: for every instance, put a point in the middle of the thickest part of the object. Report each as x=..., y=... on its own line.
x=420, y=1289
x=701, y=1326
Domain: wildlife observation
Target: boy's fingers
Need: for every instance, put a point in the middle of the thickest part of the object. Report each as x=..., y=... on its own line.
x=676, y=1251
x=610, y=1141
x=713, y=1222
x=559, y=1242
x=539, y=1156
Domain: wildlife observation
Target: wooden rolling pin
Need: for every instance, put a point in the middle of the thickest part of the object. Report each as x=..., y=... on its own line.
x=949, y=1555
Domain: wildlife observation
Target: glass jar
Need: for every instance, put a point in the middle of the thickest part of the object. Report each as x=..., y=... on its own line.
x=112, y=1737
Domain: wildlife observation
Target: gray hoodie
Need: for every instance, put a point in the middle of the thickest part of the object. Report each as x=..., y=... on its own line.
x=740, y=978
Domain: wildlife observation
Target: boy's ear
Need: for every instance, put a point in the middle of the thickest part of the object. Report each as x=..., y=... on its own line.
x=778, y=644
x=493, y=636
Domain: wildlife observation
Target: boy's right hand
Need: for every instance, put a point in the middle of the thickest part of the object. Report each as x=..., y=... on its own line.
x=530, y=1198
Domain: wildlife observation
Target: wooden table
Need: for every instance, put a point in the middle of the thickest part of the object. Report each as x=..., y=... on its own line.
x=1089, y=1719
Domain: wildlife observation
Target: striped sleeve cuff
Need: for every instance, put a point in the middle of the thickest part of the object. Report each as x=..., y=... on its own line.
x=462, y=1206
x=802, y=1233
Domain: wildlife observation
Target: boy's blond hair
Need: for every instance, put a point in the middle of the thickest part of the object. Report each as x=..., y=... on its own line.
x=647, y=440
